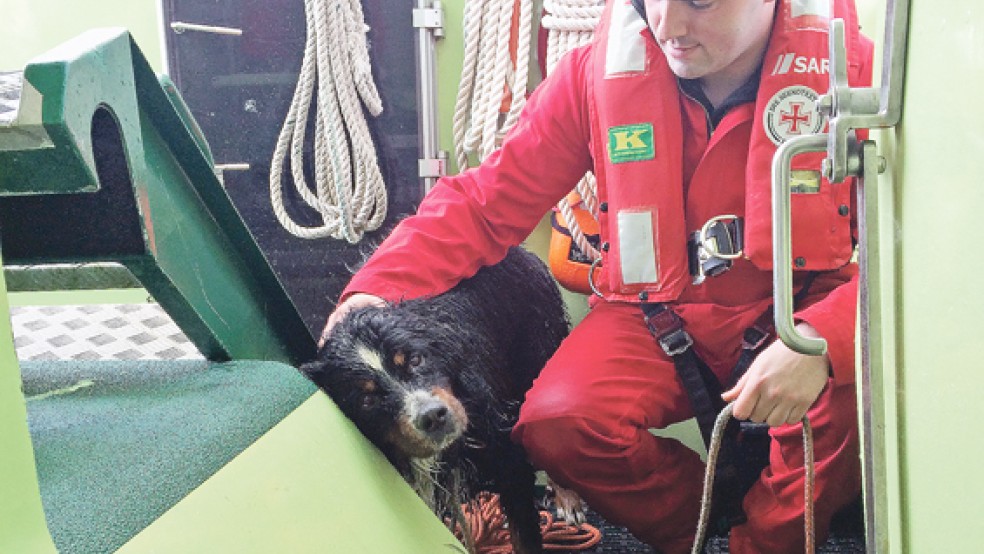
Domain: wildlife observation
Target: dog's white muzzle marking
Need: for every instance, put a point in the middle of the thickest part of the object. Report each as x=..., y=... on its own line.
x=417, y=403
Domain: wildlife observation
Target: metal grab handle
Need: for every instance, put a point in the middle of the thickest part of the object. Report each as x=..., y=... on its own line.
x=428, y=18
x=782, y=257
x=846, y=108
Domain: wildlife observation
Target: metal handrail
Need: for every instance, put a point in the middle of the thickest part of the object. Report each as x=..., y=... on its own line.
x=847, y=109
x=782, y=257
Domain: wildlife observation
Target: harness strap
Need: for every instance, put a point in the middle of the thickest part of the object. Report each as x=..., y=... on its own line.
x=704, y=391
x=760, y=331
x=699, y=381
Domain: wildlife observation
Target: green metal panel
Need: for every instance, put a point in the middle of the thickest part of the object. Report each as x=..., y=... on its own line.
x=312, y=484
x=48, y=149
x=22, y=524
x=162, y=213
x=940, y=303
x=924, y=336
x=37, y=25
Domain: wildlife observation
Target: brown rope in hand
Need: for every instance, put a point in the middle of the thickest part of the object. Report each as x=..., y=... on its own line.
x=712, y=456
x=487, y=523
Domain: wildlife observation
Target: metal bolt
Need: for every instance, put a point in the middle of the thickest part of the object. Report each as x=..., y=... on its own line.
x=882, y=164
x=643, y=296
x=825, y=105
x=827, y=168
x=800, y=262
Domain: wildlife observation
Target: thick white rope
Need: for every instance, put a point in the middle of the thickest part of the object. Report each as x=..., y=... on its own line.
x=712, y=456
x=487, y=72
x=349, y=192
x=571, y=24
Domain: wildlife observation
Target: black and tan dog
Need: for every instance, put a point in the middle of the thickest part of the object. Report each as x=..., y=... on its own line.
x=436, y=383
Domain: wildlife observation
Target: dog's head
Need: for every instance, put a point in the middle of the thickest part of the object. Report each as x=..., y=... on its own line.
x=392, y=372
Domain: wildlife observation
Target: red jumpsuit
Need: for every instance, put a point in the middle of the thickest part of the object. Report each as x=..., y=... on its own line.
x=586, y=419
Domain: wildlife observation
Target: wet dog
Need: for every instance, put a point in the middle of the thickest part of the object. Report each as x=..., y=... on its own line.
x=436, y=384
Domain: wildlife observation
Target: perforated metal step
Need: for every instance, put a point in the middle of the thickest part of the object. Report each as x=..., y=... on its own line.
x=99, y=332
x=10, y=91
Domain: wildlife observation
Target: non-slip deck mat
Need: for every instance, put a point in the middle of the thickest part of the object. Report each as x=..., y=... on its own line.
x=143, y=333
x=99, y=332
x=117, y=443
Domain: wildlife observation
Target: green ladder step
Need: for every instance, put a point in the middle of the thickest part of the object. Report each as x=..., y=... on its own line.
x=104, y=163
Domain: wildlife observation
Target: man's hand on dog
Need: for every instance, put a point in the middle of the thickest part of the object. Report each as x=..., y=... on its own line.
x=357, y=300
x=781, y=384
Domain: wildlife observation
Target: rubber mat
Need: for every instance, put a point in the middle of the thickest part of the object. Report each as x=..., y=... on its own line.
x=617, y=540
x=117, y=443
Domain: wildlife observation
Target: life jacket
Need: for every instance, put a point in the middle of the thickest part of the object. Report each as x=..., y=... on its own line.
x=570, y=265
x=634, y=103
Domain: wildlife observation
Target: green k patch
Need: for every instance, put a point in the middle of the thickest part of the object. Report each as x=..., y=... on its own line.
x=631, y=143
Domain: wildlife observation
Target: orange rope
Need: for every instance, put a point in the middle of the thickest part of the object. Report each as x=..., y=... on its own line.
x=491, y=536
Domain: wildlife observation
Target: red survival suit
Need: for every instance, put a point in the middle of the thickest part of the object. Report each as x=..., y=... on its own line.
x=661, y=175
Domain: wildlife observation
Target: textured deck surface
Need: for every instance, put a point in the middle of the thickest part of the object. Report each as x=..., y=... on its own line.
x=99, y=332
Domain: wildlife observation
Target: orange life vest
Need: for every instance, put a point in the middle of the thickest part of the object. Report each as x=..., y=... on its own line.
x=637, y=146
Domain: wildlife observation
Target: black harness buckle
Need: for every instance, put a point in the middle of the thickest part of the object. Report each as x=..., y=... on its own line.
x=754, y=337
x=667, y=327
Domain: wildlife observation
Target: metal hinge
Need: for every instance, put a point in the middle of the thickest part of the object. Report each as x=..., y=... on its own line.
x=430, y=18
x=848, y=108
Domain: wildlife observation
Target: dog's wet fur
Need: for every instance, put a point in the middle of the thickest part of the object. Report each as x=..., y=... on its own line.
x=436, y=384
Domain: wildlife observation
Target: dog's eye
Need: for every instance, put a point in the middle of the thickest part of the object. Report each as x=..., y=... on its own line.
x=415, y=360
x=368, y=401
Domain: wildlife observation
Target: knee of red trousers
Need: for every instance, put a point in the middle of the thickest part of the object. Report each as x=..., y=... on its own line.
x=651, y=489
x=570, y=448
x=560, y=439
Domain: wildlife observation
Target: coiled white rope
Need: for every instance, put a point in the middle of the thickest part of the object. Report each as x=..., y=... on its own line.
x=488, y=69
x=349, y=192
x=487, y=72
x=571, y=24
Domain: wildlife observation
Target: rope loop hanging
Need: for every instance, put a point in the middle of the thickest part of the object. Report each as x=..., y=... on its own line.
x=494, y=75
x=809, y=526
x=335, y=81
x=571, y=24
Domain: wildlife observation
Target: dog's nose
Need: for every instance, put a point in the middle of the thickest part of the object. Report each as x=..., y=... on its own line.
x=433, y=418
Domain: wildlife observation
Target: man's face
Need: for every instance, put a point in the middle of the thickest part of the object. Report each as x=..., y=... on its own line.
x=709, y=38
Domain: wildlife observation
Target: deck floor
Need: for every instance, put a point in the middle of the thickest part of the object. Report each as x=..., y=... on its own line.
x=146, y=332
